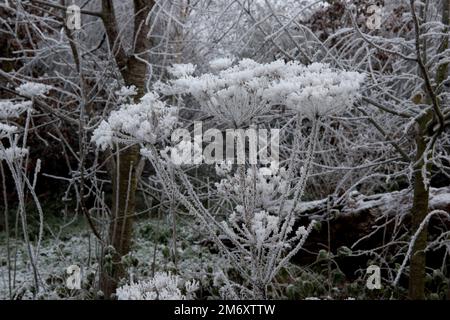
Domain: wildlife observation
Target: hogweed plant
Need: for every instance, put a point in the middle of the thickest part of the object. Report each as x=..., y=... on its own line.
x=110, y=81
x=261, y=233
x=147, y=121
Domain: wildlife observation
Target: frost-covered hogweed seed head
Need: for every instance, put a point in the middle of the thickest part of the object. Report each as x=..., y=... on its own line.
x=125, y=93
x=163, y=286
x=317, y=90
x=263, y=225
x=234, y=95
x=147, y=122
x=33, y=89
x=10, y=109
x=13, y=153
x=6, y=130
x=181, y=70
x=220, y=63
x=237, y=94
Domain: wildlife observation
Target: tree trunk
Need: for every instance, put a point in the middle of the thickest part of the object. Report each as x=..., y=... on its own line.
x=126, y=171
x=121, y=227
x=419, y=211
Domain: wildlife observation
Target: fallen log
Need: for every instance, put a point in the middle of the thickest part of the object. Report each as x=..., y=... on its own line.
x=367, y=222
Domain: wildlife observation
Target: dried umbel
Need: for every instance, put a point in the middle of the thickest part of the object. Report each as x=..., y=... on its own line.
x=163, y=286
x=146, y=121
x=317, y=90
x=13, y=153
x=33, y=89
x=6, y=130
x=239, y=93
x=12, y=109
x=263, y=229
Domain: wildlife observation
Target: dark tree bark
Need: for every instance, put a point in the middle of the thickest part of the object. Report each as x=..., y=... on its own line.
x=419, y=211
x=424, y=135
x=125, y=172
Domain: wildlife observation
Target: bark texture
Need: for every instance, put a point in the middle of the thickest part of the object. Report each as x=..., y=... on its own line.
x=126, y=169
x=419, y=211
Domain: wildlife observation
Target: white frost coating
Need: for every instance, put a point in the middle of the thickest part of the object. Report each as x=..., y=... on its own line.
x=13, y=153
x=220, y=64
x=103, y=136
x=184, y=153
x=317, y=90
x=239, y=93
x=163, y=286
x=10, y=109
x=6, y=130
x=181, y=70
x=268, y=188
x=263, y=226
x=126, y=92
x=33, y=89
x=223, y=168
x=147, y=121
